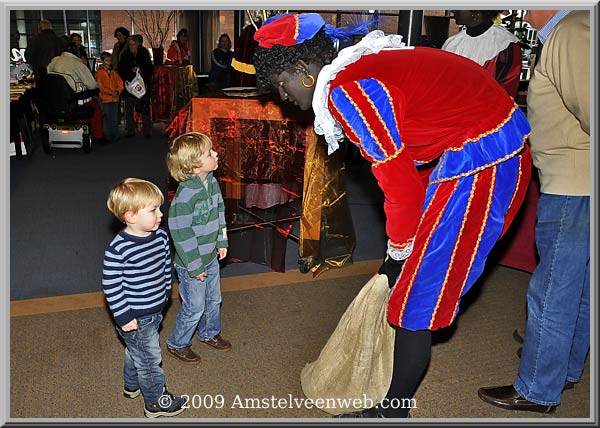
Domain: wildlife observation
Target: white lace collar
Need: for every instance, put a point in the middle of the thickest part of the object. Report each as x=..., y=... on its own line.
x=325, y=124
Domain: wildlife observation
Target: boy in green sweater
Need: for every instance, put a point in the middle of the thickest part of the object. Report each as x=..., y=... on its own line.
x=198, y=230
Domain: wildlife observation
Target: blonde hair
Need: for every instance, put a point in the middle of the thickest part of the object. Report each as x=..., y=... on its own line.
x=185, y=152
x=133, y=194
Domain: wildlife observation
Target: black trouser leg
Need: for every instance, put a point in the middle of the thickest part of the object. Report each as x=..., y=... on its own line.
x=412, y=350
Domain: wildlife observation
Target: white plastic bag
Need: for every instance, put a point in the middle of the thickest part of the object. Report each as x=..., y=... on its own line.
x=136, y=87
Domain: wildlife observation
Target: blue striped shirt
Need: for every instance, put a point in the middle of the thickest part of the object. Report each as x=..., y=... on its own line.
x=545, y=31
x=136, y=277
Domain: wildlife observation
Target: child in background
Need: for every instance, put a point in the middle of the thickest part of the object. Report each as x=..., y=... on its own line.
x=111, y=86
x=197, y=226
x=136, y=281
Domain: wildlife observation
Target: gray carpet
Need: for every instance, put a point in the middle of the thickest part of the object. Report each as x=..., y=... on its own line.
x=69, y=364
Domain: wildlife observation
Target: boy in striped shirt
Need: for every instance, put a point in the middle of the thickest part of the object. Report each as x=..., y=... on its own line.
x=136, y=280
x=198, y=229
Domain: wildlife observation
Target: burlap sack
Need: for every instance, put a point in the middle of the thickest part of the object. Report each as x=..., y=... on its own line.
x=354, y=369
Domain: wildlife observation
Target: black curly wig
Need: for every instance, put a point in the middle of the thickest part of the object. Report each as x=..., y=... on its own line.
x=277, y=59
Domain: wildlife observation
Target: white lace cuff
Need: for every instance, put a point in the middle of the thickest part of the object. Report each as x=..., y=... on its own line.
x=400, y=253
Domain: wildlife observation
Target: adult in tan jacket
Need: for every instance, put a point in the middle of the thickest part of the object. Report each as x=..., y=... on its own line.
x=557, y=336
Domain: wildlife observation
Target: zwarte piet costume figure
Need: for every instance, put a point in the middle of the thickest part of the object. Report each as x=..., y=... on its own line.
x=447, y=145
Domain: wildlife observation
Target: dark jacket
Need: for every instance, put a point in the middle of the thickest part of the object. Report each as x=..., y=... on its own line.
x=118, y=49
x=42, y=48
x=142, y=60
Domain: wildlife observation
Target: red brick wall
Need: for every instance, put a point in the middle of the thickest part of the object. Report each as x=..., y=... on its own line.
x=111, y=20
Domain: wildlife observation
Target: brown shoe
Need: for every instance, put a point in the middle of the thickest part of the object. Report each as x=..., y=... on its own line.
x=506, y=397
x=217, y=343
x=185, y=355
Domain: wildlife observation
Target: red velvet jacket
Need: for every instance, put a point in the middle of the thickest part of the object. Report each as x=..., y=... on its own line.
x=412, y=110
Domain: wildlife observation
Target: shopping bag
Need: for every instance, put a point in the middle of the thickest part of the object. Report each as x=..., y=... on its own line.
x=136, y=87
x=354, y=369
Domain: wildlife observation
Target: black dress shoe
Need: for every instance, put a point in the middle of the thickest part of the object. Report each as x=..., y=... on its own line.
x=506, y=397
x=372, y=412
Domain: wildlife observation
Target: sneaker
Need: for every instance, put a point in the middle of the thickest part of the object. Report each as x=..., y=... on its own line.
x=185, y=355
x=217, y=343
x=168, y=405
x=131, y=393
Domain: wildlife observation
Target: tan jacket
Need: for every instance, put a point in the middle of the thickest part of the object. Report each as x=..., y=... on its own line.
x=558, y=106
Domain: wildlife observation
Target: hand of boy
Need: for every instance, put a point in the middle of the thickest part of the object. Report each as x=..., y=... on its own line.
x=201, y=277
x=222, y=253
x=131, y=325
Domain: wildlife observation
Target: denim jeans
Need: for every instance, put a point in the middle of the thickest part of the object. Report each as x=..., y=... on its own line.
x=111, y=120
x=557, y=336
x=142, y=358
x=200, y=307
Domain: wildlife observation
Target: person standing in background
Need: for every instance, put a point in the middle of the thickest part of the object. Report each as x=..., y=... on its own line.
x=111, y=86
x=121, y=35
x=133, y=60
x=179, y=52
x=221, y=63
x=76, y=39
x=43, y=47
x=492, y=46
x=557, y=336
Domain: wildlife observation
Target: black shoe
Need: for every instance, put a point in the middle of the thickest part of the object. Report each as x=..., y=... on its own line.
x=167, y=405
x=372, y=412
x=130, y=135
x=506, y=397
x=131, y=393
x=147, y=136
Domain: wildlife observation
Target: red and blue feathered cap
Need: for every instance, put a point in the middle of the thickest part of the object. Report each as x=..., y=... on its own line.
x=293, y=29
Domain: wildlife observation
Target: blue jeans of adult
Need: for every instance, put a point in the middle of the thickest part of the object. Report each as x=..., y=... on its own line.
x=111, y=120
x=557, y=336
x=143, y=357
x=200, y=307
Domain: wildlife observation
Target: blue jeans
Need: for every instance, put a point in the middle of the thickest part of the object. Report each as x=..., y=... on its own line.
x=142, y=358
x=111, y=120
x=557, y=336
x=200, y=307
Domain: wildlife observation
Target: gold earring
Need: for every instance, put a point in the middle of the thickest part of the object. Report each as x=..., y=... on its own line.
x=312, y=81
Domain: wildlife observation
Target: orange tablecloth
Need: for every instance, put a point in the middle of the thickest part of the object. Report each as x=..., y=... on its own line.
x=172, y=88
x=258, y=143
x=263, y=148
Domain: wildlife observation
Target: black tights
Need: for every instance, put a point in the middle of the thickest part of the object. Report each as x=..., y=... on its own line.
x=412, y=350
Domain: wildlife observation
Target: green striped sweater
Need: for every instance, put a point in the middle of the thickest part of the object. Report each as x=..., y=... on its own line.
x=197, y=223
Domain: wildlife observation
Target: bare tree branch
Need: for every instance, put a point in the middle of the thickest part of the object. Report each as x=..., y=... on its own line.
x=153, y=25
